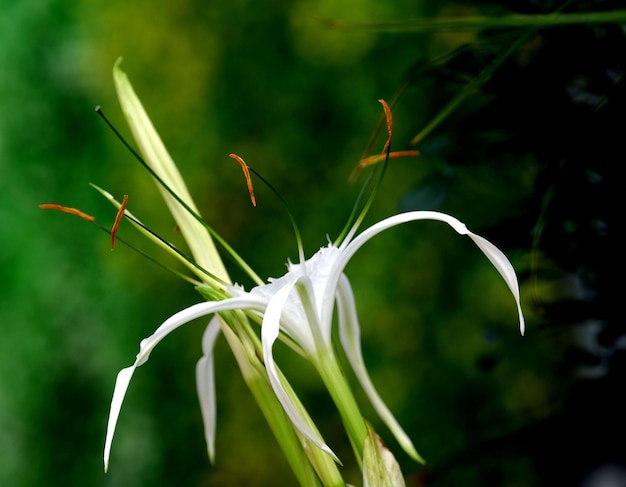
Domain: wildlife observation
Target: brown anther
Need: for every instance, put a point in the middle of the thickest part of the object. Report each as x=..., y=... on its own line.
x=66, y=209
x=118, y=220
x=246, y=173
x=385, y=154
x=389, y=124
x=376, y=158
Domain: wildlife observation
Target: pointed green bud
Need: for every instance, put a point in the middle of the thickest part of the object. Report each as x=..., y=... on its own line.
x=380, y=468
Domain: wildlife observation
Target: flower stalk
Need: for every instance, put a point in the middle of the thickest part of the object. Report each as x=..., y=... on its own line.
x=476, y=22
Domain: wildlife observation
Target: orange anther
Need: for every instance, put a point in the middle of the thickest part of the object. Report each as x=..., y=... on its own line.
x=246, y=173
x=118, y=220
x=66, y=209
x=389, y=124
x=376, y=158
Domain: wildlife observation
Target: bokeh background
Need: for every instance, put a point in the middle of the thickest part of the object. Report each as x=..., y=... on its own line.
x=531, y=160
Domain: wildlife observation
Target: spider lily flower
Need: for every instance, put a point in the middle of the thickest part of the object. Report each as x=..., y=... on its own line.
x=300, y=305
x=298, y=308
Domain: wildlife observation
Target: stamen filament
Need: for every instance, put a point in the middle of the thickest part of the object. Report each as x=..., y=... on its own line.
x=67, y=209
x=282, y=200
x=189, y=260
x=354, y=221
x=158, y=239
x=144, y=254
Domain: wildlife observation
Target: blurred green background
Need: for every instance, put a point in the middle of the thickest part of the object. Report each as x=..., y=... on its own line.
x=529, y=161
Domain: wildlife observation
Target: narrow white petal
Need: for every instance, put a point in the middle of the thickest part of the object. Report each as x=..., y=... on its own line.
x=504, y=267
x=270, y=329
x=350, y=335
x=148, y=344
x=205, y=384
x=497, y=258
x=121, y=385
x=189, y=314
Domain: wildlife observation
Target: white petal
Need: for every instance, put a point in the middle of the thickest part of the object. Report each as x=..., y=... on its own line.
x=269, y=333
x=500, y=262
x=350, y=335
x=147, y=344
x=121, y=385
x=497, y=258
x=205, y=384
x=191, y=313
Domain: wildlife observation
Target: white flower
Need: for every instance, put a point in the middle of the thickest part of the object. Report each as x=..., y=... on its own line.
x=300, y=305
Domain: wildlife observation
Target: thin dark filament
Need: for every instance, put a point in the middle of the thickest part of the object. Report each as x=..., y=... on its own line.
x=91, y=219
x=291, y=218
x=174, y=249
x=370, y=188
x=154, y=260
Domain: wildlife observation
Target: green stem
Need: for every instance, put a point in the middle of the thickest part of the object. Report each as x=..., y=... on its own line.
x=341, y=393
x=486, y=22
x=311, y=466
x=277, y=420
x=471, y=88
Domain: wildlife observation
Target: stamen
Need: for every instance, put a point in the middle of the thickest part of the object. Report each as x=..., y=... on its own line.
x=376, y=158
x=389, y=125
x=118, y=220
x=246, y=173
x=371, y=185
x=66, y=209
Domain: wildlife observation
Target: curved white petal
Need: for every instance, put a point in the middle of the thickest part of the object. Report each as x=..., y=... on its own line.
x=500, y=262
x=148, y=344
x=350, y=335
x=191, y=313
x=497, y=258
x=121, y=385
x=205, y=384
x=270, y=329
